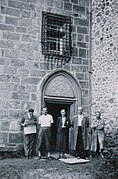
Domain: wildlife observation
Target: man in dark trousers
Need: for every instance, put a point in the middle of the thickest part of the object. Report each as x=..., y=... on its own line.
x=63, y=123
x=81, y=121
x=28, y=124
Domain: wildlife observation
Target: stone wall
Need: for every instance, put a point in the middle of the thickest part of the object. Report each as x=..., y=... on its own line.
x=105, y=63
x=22, y=65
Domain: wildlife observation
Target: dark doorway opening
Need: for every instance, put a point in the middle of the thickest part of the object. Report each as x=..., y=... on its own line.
x=54, y=109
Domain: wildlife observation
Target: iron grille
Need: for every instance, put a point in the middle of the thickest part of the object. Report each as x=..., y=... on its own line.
x=56, y=35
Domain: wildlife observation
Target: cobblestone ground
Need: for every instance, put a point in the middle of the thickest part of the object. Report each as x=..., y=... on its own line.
x=20, y=168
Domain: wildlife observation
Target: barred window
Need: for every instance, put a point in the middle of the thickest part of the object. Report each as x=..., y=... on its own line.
x=56, y=35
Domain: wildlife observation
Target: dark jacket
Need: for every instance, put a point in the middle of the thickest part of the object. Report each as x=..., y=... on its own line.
x=59, y=124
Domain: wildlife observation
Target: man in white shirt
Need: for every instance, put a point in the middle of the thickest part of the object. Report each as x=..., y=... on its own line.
x=43, y=143
x=28, y=124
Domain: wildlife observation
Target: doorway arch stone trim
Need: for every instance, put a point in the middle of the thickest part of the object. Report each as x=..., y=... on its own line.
x=75, y=86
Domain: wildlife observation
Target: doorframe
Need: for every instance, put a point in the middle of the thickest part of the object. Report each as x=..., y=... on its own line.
x=41, y=98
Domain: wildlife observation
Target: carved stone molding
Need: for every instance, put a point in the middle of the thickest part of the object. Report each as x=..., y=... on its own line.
x=59, y=86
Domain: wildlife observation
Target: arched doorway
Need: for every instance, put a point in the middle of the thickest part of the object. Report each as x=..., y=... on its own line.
x=57, y=90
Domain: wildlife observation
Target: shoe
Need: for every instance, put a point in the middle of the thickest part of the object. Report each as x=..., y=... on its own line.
x=26, y=157
x=49, y=158
x=64, y=157
x=38, y=158
x=59, y=157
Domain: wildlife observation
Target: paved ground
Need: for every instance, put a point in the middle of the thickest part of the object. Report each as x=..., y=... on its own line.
x=21, y=168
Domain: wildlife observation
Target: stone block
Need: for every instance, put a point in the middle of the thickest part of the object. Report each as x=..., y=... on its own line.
x=23, y=96
x=25, y=14
x=86, y=38
x=11, y=36
x=3, y=137
x=33, y=97
x=25, y=22
x=68, y=6
x=2, y=62
x=81, y=44
x=80, y=37
x=84, y=3
x=1, y=114
x=5, y=125
x=12, y=53
x=3, y=2
x=33, y=81
x=85, y=62
x=85, y=101
x=77, y=60
x=82, y=30
x=26, y=38
x=21, y=29
x=37, y=73
x=14, y=124
x=15, y=138
x=36, y=45
x=10, y=11
x=84, y=84
x=82, y=53
x=5, y=78
x=57, y=4
x=6, y=44
x=15, y=79
x=17, y=63
x=81, y=22
x=15, y=104
x=7, y=27
x=85, y=93
x=20, y=5
x=80, y=76
x=1, y=18
x=14, y=95
x=74, y=1
x=78, y=9
x=5, y=104
x=11, y=20
x=75, y=51
x=22, y=72
x=14, y=114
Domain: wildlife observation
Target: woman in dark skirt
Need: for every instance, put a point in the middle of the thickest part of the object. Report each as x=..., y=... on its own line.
x=62, y=127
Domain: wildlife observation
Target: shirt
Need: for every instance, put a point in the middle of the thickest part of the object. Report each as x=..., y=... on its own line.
x=80, y=117
x=45, y=120
x=63, y=121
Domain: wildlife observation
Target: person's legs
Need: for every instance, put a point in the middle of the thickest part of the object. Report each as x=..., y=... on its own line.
x=26, y=145
x=101, y=144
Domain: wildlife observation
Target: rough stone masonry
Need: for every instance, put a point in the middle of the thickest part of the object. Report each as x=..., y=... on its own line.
x=105, y=65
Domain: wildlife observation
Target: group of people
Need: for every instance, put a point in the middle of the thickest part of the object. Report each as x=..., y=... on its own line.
x=87, y=138
x=90, y=137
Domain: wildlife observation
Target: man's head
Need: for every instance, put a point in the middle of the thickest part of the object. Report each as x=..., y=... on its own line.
x=80, y=110
x=44, y=110
x=98, y=114
x=63, y=112
x=30, y=112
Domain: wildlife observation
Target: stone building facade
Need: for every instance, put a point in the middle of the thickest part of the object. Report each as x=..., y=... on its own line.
x=31, y=77
x=105, y=65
